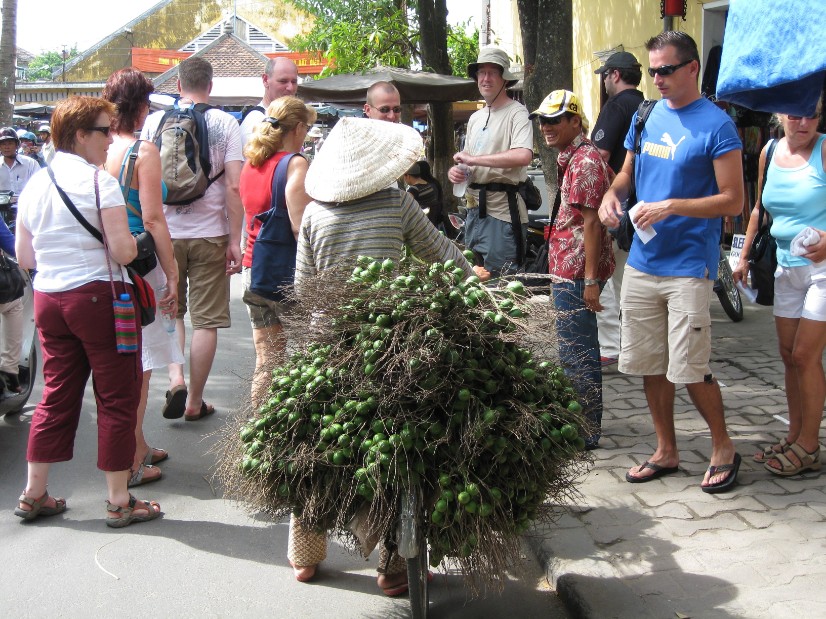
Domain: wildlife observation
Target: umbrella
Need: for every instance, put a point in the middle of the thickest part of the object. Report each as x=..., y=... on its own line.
x=774, y=55
x=414, y=86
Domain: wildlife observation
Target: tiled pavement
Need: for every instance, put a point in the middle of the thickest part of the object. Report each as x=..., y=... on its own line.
x=665, y=549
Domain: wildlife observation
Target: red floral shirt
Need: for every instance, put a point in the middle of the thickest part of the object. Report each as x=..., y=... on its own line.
x=585, y=179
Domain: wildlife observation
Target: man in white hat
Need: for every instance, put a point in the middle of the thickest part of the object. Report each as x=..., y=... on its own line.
x=44, y=132
x=579, y=252
x=280, y=79
x=498, y=149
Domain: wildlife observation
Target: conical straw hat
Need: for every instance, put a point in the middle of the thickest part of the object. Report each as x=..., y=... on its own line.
x=360, y=157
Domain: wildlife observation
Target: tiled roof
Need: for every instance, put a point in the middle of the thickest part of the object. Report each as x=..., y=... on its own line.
x=229, y=57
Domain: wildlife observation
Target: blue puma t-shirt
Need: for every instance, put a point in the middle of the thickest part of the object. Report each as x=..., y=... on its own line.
x=676, y=160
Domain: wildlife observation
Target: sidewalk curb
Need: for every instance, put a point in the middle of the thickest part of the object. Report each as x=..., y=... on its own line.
x=589, y=587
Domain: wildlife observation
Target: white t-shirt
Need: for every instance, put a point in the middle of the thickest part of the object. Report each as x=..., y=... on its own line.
x=250, y=122
x=206, y=217
x=67, y=255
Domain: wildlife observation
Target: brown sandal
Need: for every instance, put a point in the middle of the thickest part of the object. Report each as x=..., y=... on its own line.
x=808, y=461
x=126, y=515
x=38, y=507
x=770, y=451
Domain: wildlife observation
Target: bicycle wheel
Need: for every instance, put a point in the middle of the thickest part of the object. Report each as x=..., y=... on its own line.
x=417, y=576
x=727, y=292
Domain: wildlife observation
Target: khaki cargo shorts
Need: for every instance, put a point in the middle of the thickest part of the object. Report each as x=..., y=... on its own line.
x=666, y=326
x=203, y=284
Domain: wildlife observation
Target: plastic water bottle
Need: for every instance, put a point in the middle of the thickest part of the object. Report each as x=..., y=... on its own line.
x=460, y=188
x=167, y=320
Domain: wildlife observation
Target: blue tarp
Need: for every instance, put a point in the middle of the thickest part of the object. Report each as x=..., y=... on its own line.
x=774, y=55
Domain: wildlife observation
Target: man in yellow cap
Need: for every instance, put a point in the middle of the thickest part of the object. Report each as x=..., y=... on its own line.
x=580, y=256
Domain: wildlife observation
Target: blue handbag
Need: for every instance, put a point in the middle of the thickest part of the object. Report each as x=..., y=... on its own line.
x=273, y=254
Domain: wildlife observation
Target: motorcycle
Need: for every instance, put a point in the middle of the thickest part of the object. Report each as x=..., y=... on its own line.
x=10, y=401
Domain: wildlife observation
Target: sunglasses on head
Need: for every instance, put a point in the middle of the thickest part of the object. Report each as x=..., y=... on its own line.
x=666, y=69
x=103, y=130
x=386, y=109
x=551, y=121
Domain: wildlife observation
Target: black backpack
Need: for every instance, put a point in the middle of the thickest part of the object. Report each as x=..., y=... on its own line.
x=183, y=142
x=624, y=232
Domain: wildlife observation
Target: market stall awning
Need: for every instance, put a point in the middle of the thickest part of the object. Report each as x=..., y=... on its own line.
x=33, y=109
x=414, y=86
x=774, y=55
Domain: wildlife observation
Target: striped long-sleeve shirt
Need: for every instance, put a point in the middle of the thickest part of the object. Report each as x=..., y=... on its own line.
x=376, y=226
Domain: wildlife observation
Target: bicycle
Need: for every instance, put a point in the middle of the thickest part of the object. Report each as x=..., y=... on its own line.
x=412, y=546
x=726, y=290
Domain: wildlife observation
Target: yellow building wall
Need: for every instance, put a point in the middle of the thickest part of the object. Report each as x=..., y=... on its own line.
x=600, y=25
x=179, y=22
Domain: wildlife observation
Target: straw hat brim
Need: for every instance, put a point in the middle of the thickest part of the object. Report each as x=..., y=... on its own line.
x=360, y=157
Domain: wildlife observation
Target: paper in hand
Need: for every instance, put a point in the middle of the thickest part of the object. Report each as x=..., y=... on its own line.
x=645, y=235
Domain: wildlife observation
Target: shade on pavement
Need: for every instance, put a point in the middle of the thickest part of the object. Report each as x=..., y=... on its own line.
x=413, y=86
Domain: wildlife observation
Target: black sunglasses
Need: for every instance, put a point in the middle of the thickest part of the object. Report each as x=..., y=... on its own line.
x=666, y=69
x=385, y=109
x=551, y=121
x=104, y=130
x=798, y=118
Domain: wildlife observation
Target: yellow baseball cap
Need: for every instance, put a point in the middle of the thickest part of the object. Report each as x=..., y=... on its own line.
x=557, y=103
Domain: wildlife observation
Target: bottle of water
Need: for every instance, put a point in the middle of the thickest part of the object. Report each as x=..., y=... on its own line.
x=167, y=320
x=460, y=188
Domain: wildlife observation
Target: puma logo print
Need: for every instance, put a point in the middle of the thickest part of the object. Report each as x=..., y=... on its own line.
x=661, y=151
x=668, y=140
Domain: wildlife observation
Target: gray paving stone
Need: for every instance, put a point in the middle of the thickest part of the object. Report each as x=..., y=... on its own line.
x=656, y=549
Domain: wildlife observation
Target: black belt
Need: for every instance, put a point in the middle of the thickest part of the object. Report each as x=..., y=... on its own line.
x=513, y=207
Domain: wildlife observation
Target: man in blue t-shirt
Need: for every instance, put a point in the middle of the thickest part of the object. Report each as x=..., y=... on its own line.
x=688, y=175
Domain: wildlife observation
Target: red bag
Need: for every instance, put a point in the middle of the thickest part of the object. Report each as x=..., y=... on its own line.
x=145, y=297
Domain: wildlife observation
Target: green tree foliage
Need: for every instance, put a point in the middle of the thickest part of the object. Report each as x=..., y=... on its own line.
x=361, y=34
x=462, y=48
x=43, y=65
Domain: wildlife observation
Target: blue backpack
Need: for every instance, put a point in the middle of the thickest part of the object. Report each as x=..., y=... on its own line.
x=273, y=254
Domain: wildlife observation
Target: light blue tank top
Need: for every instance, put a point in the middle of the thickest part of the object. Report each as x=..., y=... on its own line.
x=796, y=198
x=133, y=198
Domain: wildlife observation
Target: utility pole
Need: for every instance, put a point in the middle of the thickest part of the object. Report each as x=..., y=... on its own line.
x=65, y=54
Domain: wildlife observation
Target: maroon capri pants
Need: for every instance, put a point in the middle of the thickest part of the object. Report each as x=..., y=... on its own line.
x=77, y=337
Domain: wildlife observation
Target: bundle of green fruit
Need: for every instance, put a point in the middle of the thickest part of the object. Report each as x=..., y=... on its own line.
x=420, y=376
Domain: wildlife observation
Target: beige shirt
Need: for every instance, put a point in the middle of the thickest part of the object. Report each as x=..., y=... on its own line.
x=508, y=127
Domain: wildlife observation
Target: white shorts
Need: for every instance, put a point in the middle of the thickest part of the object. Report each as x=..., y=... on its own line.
x=800, y=292
x=159, y=347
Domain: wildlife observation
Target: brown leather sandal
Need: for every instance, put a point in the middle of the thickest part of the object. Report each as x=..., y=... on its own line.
x=38, y=507
x=127, y=515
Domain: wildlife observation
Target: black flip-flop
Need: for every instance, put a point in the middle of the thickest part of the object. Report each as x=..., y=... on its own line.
x=206, y=411
x=659, y=471
x=175, y=405
x=728, y=483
